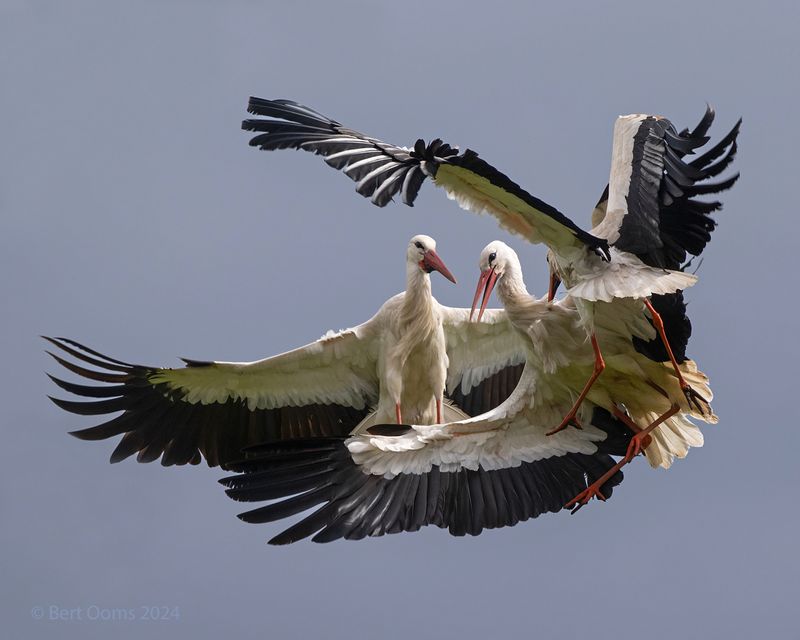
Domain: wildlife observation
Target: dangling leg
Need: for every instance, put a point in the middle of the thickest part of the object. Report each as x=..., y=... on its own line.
x=634, y=448
x=628, y=422
x=438, y=410
x=398, y=414
x=572, y=416
x=691, y=395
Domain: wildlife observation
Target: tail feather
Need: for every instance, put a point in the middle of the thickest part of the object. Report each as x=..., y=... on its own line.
x=699, y=382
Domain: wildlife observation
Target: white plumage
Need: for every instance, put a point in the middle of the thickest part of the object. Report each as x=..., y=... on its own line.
x=646, y=222
x=504, y=465
x=556, y=360
x=392, y=367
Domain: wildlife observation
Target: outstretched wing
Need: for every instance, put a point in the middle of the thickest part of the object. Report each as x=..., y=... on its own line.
x=383, y=170
x=650, y=207
x=213, y=410
x=370, y=486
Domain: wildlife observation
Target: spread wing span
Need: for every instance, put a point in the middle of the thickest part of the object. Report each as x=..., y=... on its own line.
x=383, y=170
x=213, y=410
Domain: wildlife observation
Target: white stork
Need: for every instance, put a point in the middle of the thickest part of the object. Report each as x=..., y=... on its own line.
x=635, y=378
x=653, y=219
x=500, y=467
x=394, y=365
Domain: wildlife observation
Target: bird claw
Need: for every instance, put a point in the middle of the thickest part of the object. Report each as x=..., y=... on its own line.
x=636, y=446
x=584, y=497
x=693, y=399
x=569, y=419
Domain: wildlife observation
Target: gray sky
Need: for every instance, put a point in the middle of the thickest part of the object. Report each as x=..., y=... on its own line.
x=135, y=218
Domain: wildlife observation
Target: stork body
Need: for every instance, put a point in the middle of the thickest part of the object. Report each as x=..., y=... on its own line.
x=647, y=388
x=413, y=354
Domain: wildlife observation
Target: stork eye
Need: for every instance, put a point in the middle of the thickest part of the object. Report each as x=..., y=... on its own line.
x=418, y=245
x=492, y=256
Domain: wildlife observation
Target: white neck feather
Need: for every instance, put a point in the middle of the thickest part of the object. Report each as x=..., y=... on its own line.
x=417, y=321
x=418, y=301
x=511, y=287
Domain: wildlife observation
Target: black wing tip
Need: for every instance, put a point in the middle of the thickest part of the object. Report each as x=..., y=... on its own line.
x=56, y=401
x=256, y=105
x=80, y=434
x=281, y=541
x=435, y=150
x=248, y=516
x=189, y=362
x=389, y=429
x=67, y=405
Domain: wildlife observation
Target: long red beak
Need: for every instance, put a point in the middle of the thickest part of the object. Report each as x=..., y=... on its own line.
x=432, y=262
x=554, y=282
x=485, y=282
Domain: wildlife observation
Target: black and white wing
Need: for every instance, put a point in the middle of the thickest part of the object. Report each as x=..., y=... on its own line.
x=382, y=171
x=650, y=207
x=486, y=359
x=490, y=471
x=213, y=410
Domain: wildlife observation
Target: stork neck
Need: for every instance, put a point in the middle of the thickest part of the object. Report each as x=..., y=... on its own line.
x=418, y=291
x=511, y=287
x=417, y=319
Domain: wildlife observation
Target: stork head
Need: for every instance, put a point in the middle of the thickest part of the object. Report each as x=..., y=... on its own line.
x=497, y=261
x=422, y=253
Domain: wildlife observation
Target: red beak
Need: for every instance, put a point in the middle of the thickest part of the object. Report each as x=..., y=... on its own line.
x=554, y=282
x=432, y=262
x=485, y=282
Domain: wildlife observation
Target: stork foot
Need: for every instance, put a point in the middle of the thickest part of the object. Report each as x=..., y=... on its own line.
x=570, y=419
x=638, y=442
x=694, y=399
x=583, y=498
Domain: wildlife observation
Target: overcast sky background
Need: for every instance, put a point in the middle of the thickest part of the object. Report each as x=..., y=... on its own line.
x=135, y=218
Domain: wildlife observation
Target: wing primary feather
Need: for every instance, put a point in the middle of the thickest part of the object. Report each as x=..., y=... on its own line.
x=58, y=342
x=89, y=359
x=289, y=507
x=89, y=373
x=90, y=391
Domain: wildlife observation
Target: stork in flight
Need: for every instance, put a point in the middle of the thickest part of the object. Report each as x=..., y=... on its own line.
x=392, y=367
x=636, y=379
x=645, y=224
x=503, y=466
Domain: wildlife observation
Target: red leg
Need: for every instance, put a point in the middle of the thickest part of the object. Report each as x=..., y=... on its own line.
x=571, y=417
x=634, y=448
x=398, y=414
x=691, y=395
x=626, y=419
x=438, y=411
